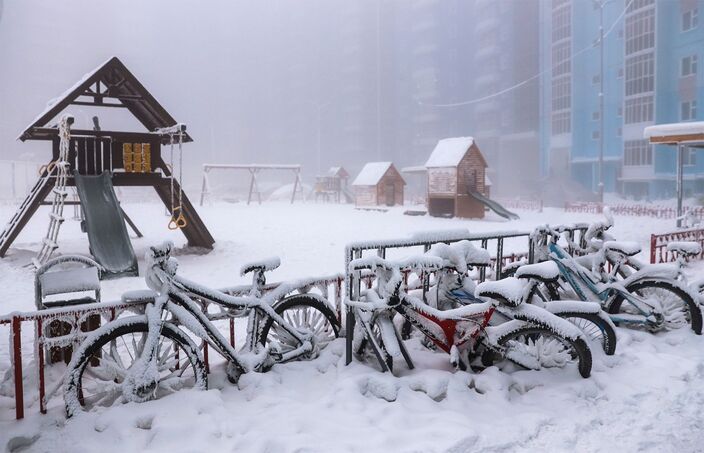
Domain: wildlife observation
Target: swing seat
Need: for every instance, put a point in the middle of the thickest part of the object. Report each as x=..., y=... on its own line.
x=71, y=279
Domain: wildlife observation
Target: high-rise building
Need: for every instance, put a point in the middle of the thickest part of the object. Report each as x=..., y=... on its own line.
x=505, y=123
x=650, y=54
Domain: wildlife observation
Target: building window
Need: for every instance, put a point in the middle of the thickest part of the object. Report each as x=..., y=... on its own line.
x=620, y=73
x=561, y=95
x=688, y=110
x=595, y=135
x=595, y=79
x=640, y=74
x=561, y=58
x=640, y=30
x=690, y=19
x=595, y=116
x=560, y=123
x=561, y=22
x=637, y=152
x=620, y=111
x=619, y=132
x=638, y=110
x=689, y=157
x=689, y=65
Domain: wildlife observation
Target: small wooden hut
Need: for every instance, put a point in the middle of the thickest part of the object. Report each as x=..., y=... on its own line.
x=456, y=171
x=378, y=184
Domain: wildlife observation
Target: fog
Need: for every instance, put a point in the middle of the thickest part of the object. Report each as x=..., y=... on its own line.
x=317, y=83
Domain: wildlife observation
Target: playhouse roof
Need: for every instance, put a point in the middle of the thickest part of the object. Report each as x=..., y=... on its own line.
x=372, y=173
x=111, y=80
x=688, y=132
x=449, y=152
x=338, y=171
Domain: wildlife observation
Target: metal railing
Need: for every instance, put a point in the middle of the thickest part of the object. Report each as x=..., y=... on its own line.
x=658, y=244
x=76, y=319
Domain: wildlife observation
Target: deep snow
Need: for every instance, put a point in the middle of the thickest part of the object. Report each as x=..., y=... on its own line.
x=648, y=397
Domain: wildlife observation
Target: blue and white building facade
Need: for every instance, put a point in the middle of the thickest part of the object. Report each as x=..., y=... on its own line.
x=653, y=74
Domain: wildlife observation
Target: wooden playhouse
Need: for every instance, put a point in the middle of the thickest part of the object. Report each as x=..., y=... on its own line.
x=456, y=179
x=378, y=184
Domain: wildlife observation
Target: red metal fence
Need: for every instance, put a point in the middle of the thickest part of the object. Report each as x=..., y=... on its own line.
x=636, y=210
x=76, y=321
x=658, y=244
x=526, y=205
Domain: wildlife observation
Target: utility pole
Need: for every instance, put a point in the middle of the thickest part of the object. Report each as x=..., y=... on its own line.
x=600, y=170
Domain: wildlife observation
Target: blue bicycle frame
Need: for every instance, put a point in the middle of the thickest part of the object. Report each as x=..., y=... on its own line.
x=578, y=279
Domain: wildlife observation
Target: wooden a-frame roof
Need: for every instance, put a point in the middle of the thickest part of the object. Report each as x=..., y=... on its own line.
x=111, y=80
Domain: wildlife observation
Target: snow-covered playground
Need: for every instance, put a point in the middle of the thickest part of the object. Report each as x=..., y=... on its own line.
x=647, y=397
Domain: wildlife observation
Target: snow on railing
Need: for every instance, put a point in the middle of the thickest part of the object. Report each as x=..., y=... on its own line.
x=634, y=210
x=658, y=244
x=76, y=319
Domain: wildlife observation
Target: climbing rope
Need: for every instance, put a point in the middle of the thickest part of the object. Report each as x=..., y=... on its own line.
x=178, y=220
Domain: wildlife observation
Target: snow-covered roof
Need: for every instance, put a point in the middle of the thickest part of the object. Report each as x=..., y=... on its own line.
x=449, y=152
x=487, y=181
x=371, y=174
x=695, y=129
x=131, y=93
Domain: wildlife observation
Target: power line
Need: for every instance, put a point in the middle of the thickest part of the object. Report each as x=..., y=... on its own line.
x=530, y=79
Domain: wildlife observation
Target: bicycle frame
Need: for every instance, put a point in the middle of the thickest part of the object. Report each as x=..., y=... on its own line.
x=579, y=279
x=175, y=298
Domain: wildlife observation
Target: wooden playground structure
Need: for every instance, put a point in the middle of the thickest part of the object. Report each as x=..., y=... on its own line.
x=333, y=186
x=128, y=158
x=254, y=170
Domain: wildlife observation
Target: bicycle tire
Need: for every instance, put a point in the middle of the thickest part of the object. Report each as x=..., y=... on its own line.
x=296, y=303
x=692, y=308
x=73, y=386
x=580, y=348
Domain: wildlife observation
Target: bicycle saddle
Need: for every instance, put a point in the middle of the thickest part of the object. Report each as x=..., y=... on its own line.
x=508, y=291
x=264, y=265
x=628, y=248
x=685, y=248
x=547, y=271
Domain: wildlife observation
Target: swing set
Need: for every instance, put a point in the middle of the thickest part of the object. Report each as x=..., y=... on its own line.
x=129, y=158
x=254, y=170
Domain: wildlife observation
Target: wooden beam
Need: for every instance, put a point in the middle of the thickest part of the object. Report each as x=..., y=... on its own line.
x=675, y=139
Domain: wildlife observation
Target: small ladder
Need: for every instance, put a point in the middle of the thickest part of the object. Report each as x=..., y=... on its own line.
x=49, y=243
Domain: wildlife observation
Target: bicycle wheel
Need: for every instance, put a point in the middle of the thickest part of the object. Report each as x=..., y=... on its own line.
x=678, y=306
x=306, y=314
x=97, y=374
x=595, y=328
x=536, y=347
x=365, y=351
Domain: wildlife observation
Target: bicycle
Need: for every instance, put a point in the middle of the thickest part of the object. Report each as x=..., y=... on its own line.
x=534, y=339
x=144, y=357
x=648, y=297
x=453, y=288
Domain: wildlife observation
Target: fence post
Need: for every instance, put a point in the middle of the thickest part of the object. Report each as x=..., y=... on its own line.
x=17, y=359
x=39, y=349
x=652, y=248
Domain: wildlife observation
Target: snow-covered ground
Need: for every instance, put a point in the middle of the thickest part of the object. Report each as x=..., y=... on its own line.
x=648, y=397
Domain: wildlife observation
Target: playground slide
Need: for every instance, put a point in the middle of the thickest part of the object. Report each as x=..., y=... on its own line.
x=107, y=234
x=347, y=193
x=494, y=206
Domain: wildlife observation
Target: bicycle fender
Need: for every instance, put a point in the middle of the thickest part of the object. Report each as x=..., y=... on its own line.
x=542, y=317
x=558, y=307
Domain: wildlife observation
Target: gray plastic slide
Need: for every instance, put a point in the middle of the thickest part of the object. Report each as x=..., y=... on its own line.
x=494, y=206
x=107, y=234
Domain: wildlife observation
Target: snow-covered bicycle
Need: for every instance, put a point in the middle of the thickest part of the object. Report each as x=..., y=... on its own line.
x=138, y=358
x=652, y=296
x=533, y=339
